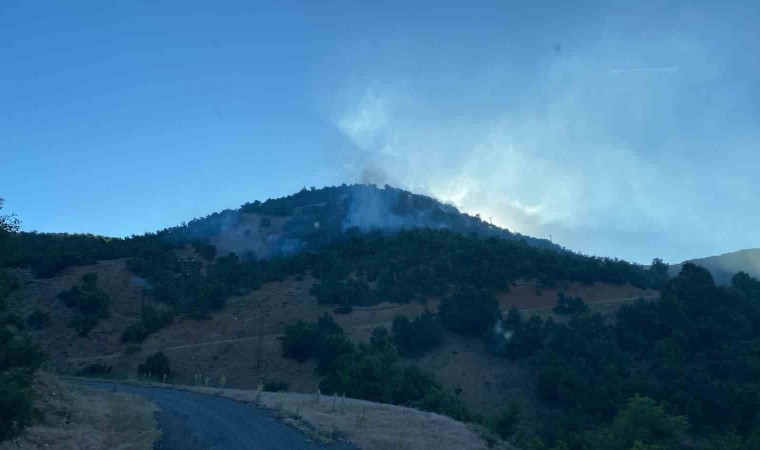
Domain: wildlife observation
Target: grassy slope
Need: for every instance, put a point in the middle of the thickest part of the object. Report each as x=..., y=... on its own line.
x=74, y=417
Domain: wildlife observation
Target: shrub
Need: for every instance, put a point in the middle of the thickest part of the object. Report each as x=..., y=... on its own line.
x=16, y=412
x=156, y=365
x=504, y=424
x=95, y=370
x=83, y=324
x=418, y=336
x=151, y=320
x=38, y=320
x=469, y=311
x=299, y=341
x=275, y=386
x=569, y=305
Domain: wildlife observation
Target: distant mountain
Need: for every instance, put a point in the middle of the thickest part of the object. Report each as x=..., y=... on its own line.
x=314, y=217
x=724, y=266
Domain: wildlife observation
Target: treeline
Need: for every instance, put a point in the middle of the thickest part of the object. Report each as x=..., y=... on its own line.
x=413, y=264
x=47, y=253
x=694, y=354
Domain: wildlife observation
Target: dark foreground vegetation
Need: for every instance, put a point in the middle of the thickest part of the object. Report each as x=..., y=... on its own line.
x=688, y=363
x=19, y=358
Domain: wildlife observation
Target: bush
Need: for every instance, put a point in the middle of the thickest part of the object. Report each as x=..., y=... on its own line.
x=299, y=341
x=569, y=305
x=469, y=311
x=156, y=365
x=83, y=324
x=504, y=424
x=95, y=370
x=86, y=297
x=418, y=336
x=275, y=386
x=16, y=412
x=88, y=301
x=133, y=349
x=151, y=320
x=38, y=320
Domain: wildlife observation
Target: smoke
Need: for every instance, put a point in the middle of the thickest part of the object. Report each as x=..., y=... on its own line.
x=609, y=160
x=371, y=208
x=499, y=330
x=140, y=282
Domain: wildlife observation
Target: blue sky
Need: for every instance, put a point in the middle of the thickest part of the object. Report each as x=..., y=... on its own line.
x=627, y=129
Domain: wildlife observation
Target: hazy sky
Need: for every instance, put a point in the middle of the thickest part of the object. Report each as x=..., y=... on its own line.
x=627, y=129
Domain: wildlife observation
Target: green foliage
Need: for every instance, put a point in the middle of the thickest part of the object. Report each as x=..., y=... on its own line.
x=19, y=358
x=418, y=336
x=16, y=412
x=504, y=424
x=641, y=424
x=368, y=371
x=86, y=297
x=38, y=320
x=276, y=386
x=95, y=370
x=89, y=302
x=569, y=305
x=697, y=350
x=732, y=440
x=156, y=366
x=469, y=311
x=207, y=251
x=299, y=341
x=151, y=320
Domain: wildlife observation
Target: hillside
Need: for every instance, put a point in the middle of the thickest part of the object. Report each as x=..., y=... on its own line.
x=543, y=346
x=724, y=266
x=227, y=343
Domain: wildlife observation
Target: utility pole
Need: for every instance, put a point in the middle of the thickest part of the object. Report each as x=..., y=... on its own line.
x=260, y=349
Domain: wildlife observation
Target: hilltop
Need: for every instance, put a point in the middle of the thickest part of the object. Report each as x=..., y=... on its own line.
x=724, y=266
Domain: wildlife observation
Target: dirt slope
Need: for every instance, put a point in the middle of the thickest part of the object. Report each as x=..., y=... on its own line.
x=228, y=344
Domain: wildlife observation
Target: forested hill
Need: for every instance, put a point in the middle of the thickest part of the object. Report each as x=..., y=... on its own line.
x=723, y=267
x=314, y=217
x=305, y=221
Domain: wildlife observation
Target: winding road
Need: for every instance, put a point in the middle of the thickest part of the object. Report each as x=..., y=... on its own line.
x=192, y=421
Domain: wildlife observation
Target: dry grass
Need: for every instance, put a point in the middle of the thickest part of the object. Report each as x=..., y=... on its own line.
x=75, y=417
x=227, y=345
x=368, y=425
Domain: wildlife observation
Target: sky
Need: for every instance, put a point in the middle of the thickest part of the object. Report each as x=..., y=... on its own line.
x=624, y=129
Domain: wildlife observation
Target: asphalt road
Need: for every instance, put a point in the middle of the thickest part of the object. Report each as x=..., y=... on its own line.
x=192, y=421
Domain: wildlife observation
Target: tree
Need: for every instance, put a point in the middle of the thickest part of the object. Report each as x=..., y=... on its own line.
x=155, y=365
x=469, y=311
x=506, y=421
x=643, y=423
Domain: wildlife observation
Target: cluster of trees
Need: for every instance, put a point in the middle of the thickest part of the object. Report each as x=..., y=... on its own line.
x=369, y=371
x=189, y=288
x=151, y=320
x=693, y=356
x=89, y=302
x=417, y=336
x=19, y=358
x=567, y=305
x=415, y=264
